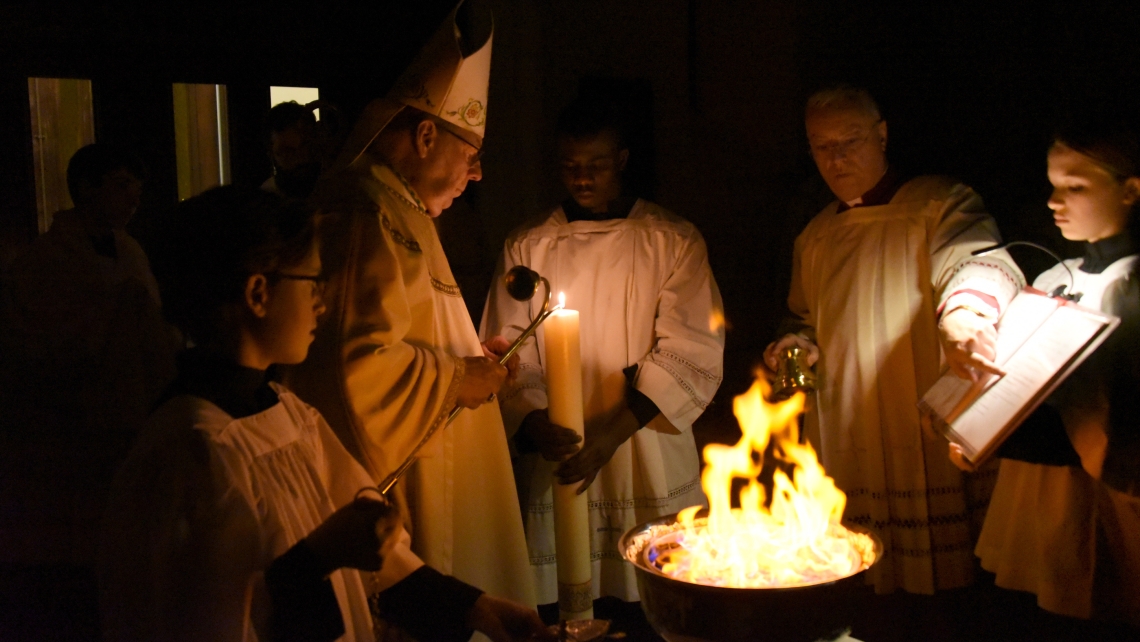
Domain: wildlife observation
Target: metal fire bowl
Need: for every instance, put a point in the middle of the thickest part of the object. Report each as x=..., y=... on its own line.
x=685, y=612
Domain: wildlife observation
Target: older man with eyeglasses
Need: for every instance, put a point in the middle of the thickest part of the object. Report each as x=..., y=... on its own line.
x=397, y=350
x=883, y=289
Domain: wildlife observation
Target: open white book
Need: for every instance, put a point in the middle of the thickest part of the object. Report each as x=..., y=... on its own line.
x=1040, y=341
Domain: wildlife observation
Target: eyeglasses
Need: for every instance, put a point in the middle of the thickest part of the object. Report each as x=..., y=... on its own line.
x=473, y=160
x=318, y=280
x=842, y=148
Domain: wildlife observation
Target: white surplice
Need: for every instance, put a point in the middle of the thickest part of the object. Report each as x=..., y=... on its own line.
x=385, y=368
x=868, y=282
x=646, y=297
x=203, y=506
x=1040, y=534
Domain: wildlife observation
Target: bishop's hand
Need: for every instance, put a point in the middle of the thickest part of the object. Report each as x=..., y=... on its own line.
x=601, y=444
x=482, y=379
x=495, y=348
x=969, y=342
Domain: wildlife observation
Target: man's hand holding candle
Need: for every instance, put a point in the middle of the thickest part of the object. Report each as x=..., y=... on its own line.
x=601, y=444
x=538, y=434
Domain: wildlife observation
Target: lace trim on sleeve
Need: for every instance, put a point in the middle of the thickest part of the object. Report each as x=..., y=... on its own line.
x=691, y=366
x=680, y=379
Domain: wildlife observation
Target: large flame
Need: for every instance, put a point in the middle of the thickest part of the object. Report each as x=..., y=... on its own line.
x=793, y=539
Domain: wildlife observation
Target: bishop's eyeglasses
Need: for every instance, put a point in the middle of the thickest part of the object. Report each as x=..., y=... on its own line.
x=472, y=161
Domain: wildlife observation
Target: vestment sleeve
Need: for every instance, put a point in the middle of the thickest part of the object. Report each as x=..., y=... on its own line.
x=985, y=284
x=509, y=318
x=396, y=389
x=182, y=553
x=684, y=369
x=303, y=601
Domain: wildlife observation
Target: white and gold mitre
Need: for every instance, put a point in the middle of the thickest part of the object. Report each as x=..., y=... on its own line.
x=448, y=79
x=445, y=83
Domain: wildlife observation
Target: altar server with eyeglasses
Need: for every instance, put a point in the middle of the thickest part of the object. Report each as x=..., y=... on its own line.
x=239, y=514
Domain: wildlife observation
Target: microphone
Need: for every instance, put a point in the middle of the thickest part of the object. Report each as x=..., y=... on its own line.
x=1059, y=292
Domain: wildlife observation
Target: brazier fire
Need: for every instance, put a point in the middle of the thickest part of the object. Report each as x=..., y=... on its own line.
x=780, y=566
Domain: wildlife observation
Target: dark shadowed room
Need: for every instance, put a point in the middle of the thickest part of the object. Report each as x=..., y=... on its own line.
x=524, y=320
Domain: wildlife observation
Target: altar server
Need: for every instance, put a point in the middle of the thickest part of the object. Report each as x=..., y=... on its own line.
x=884, y=284
x=652, y=345
x=1064, y=520
x=238, y=514
x=398, y=350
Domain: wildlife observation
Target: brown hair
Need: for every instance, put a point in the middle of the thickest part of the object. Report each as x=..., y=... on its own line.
x=214, y=242
x=1113, y=146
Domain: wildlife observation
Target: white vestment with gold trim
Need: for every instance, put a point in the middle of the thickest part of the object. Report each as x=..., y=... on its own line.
x=385, y=368
x=868, y=282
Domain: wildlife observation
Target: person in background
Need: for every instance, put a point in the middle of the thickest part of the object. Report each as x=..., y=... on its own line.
x=652, y=352
x=1064, y=519
x=238, y=514
x=883, y=289
x=84, y=355
x=294, y=147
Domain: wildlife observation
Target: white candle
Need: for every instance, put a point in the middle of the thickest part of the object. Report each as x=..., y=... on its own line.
x=571, y=513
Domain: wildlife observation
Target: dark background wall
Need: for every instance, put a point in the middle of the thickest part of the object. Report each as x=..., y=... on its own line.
x=969, y=88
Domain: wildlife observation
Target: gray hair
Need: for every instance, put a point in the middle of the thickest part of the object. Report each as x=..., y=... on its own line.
x=844, y=97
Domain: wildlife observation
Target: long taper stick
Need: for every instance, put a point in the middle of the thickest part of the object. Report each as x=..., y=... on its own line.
x=543, y=314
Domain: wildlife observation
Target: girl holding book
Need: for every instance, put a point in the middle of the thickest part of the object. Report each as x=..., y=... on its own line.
x=1064, y=519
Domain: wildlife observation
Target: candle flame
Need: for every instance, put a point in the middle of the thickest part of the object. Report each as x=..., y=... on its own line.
x=561, y=300
x=716, y=321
